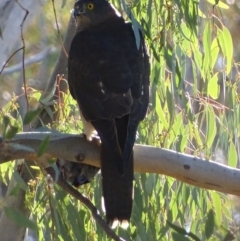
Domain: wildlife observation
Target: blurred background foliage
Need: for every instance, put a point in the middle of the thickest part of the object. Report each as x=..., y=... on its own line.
x=194, y=109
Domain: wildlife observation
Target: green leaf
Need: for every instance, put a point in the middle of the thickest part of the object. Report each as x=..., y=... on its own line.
x=217, y=205
x=184, y=139
x=19, y=218
x=31, y=115
x=226, y=44
x=149, y=184
x=211, y=127
x=43, y=146
x=197, y=134
x=6, y=120
x=185, y=42
x=135, y=24
x=160, y=113
x=46, y=97
x=209, y=225
x=48, y=109
x=20, y=181
x=219, y=4
x=35, y=167
x=170, y=105
x=213, y=87
x=63, y=3
x=221, y=42
x=138, y=198
x=229, y=46
x=178, y=122
x=207, y=50
x=11, y=132
x=214, y=52
x=185, y=194
x=232, y=155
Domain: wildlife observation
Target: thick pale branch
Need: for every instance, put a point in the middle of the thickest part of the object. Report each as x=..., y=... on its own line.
x=32, y=59
x=189, y=169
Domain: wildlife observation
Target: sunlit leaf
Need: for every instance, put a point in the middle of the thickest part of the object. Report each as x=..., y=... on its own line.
x=214, y=87
x=219, y=4
x=214, y=52
x=35, y=167
x=229, y=45
x=217, y=207
x=225, y=42
x=232, y=155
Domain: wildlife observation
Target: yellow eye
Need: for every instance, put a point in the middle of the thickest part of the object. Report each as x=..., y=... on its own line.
x=90, y=6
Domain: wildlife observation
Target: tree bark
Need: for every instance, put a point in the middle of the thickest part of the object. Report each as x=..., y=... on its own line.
x=189, y=169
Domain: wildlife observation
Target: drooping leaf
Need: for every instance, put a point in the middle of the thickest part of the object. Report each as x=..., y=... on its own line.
x=229, y=46
x=232, y=155
x=209, y=226
x=217, y=205
x=31, y=115
x=20, y=181
x=213, y=88
x=211, y=127
x=19, y=218
x=43, y=146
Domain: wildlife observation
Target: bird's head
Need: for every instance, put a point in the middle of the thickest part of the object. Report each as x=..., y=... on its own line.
x=91, y=12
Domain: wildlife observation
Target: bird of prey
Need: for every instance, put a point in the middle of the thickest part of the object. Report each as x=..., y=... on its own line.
x=108, y=76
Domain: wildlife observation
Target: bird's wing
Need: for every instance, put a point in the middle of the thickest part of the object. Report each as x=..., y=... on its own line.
x=99, y=76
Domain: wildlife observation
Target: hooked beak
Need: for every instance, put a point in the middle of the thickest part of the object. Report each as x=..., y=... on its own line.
x=77, y=11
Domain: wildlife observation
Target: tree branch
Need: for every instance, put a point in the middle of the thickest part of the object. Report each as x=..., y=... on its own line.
x=186, y=168
x=28, y=61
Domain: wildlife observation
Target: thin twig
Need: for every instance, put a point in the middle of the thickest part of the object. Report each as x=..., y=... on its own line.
x=10, y=58
x=23, y=48
x=55, y=16
x=72, y=191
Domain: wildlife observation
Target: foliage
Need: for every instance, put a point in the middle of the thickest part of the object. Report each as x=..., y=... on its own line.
x=194, y=109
